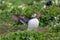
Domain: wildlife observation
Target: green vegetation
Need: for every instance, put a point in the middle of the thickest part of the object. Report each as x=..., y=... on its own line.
x=50, y=19
x=31, y=35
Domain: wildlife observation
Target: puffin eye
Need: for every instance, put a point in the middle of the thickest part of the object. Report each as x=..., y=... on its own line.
x=34, y=15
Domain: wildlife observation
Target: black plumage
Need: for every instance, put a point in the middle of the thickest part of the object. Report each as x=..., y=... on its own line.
x=49, y=3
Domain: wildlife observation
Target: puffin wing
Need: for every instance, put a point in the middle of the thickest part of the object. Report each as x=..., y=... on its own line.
x=22, y=19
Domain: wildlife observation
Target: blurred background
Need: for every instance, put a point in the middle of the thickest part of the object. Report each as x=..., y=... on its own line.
x=51, y=18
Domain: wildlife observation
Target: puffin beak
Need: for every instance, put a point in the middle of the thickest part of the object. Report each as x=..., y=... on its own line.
x=39, y=15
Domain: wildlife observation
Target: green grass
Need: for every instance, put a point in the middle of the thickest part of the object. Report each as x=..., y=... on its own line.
x=51, y=19
x=30, y=35
x=11, y=7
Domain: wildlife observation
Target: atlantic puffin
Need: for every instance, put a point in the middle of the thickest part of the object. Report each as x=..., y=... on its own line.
x=32, y=23
x=49, y=3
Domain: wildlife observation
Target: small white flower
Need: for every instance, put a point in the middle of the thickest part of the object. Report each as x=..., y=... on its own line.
x=56, y=2
x=10, y=3
x=12, y=7
x=44, y=7
x=22, y=6
x=3, y=1
x=53, y=2
x=54, y=25
x=34, y=2
x=55, y=17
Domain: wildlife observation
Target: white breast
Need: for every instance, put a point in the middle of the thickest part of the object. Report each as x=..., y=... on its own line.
x=33, y=24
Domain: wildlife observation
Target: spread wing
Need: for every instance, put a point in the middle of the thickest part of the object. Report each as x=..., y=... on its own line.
x=22, y=19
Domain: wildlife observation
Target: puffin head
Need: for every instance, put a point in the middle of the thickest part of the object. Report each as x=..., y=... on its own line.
x=36, y=15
